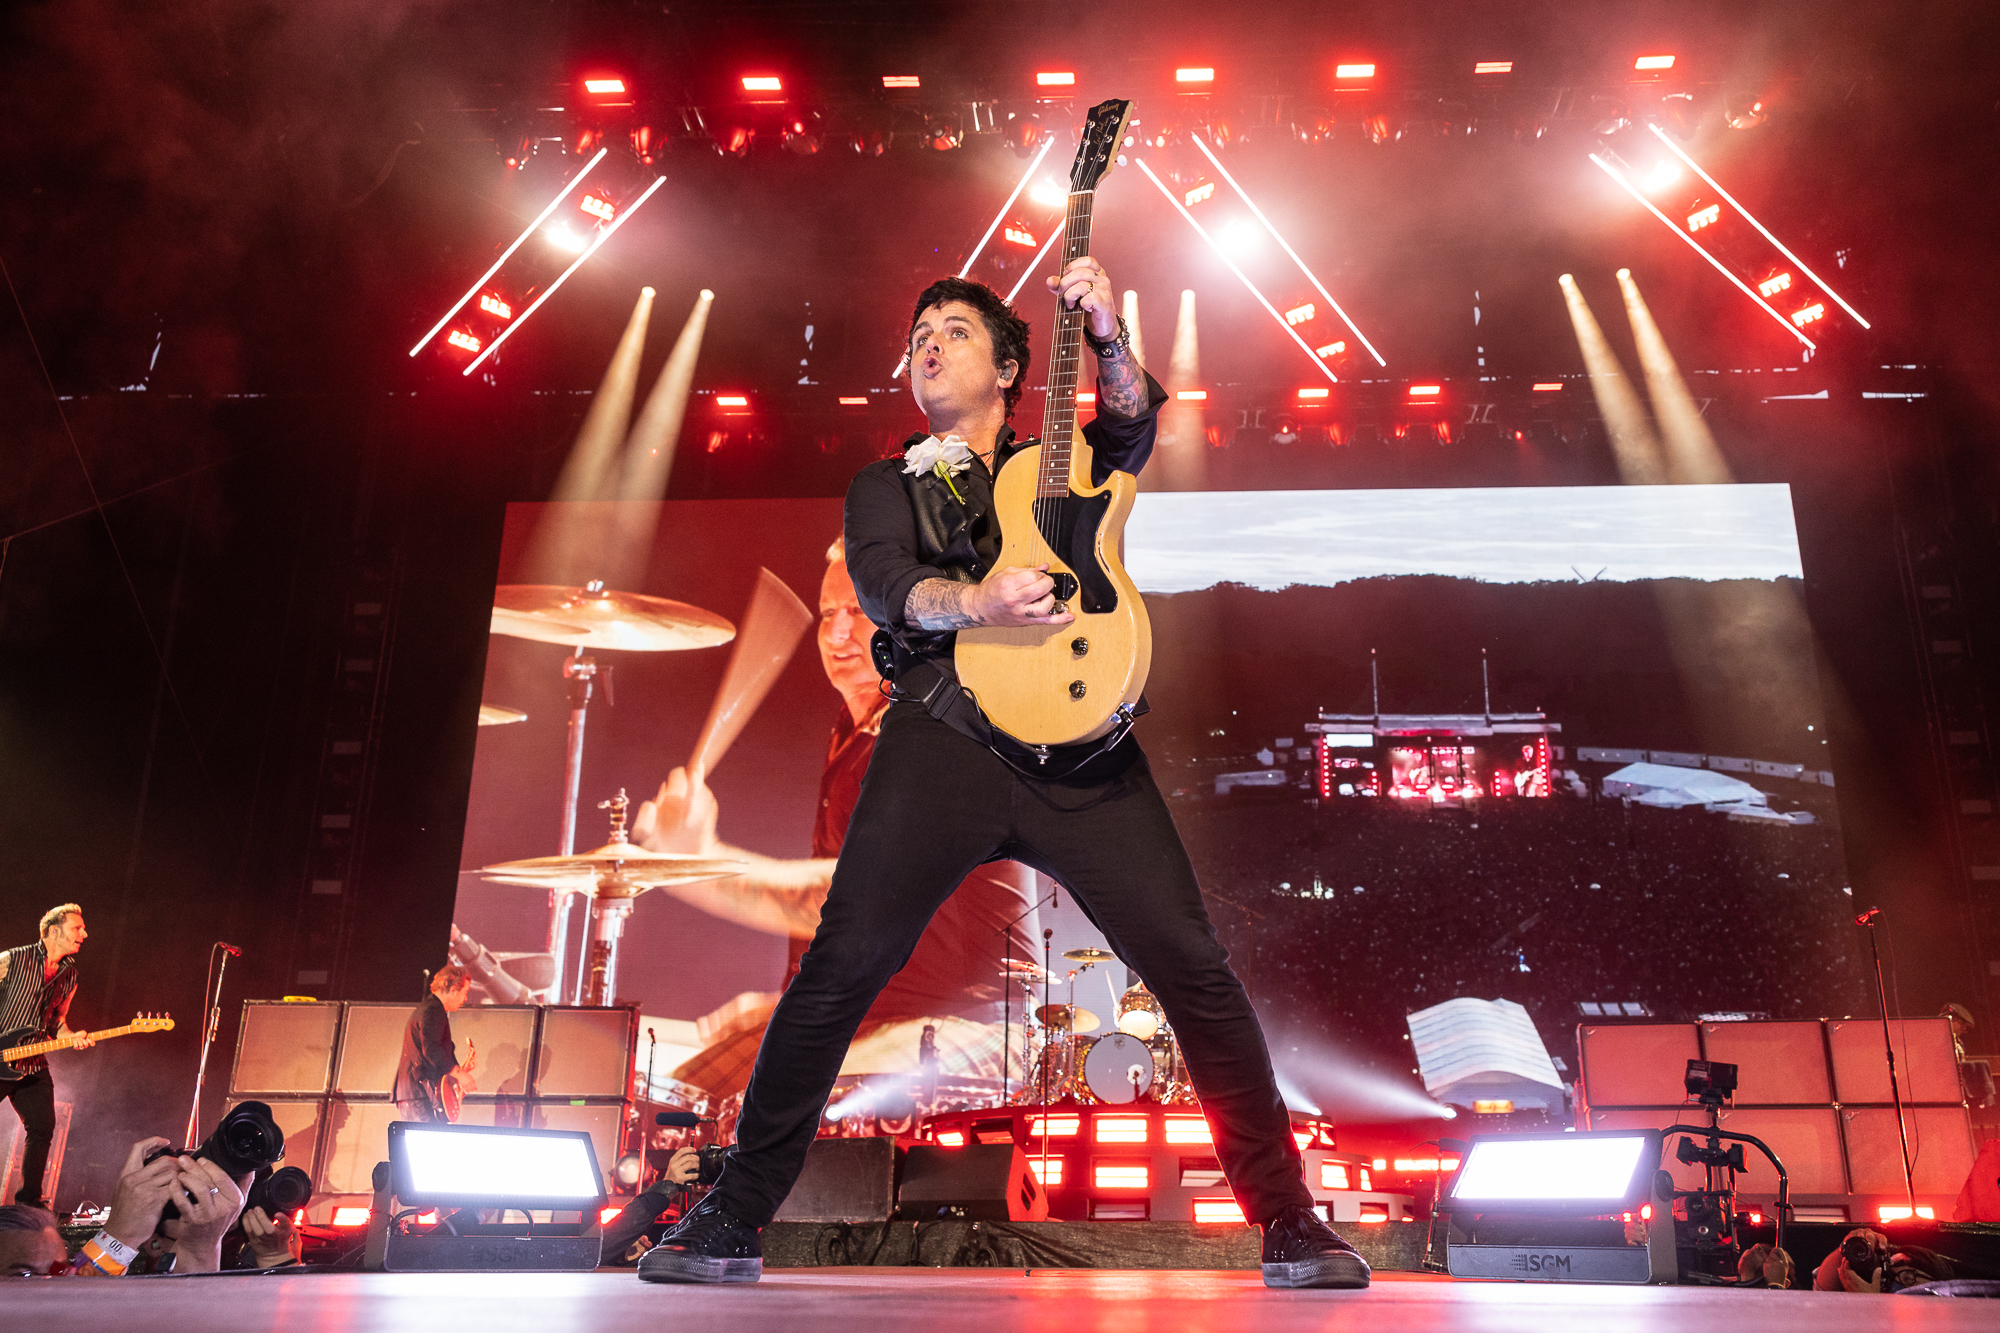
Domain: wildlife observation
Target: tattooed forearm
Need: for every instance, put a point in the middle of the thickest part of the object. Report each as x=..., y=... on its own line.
x=1121, y=383
x=940, y=604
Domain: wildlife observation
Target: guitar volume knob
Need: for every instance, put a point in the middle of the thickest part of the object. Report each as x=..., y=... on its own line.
x=1079, y=646
x=1077, y=689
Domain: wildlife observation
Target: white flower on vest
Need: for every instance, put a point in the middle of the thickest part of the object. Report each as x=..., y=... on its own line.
x=949, y=456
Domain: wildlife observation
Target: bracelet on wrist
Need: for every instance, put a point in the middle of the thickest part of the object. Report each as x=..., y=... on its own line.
x=108, y=1254
x=1120, y=341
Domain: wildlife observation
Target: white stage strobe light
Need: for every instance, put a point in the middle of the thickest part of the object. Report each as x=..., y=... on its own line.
x=467, y=1166
x=1562, y=1208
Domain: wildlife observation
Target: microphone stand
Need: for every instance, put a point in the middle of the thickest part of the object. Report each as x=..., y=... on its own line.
x=1868, y=919
x=1007, y=996
x=212, y=1004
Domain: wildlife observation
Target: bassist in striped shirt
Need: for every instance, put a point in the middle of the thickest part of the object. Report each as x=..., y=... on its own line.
x=37, y=983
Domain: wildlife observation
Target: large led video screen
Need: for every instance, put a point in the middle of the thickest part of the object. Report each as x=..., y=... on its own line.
x=1562, y=747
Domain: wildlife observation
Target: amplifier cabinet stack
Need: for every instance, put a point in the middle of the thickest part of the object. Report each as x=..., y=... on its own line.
x=1816, y=1091
x=328, y=1070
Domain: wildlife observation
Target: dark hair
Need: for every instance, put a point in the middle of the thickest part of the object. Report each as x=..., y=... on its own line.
x=25, y=1217
x=1007, y=329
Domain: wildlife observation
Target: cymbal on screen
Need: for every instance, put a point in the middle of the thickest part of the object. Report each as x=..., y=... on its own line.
x=594, y=616
x=1089, y=955
x=1074, y=1018
x=498, y=715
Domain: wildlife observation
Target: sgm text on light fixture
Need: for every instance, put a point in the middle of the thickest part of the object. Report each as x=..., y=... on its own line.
x=1055, y=79
x=1426, y=390
x=1653, y=62
x=1773, y=285
x=1355, y=71
x=460, y=338
x=496, y=307
x=1206, y=190
x=1319, y=392
x=603, y=87
x=1202, y=74
x=731, y=400
x=901, y=81
x=1493, y=67
x=1218, y=1211
x=1299, y=314
x=763, y=83
x=1191, y=395
x=1706, y=217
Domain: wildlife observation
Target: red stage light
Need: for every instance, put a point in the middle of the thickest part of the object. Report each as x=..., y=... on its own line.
x=1331, y=349
x=1772, y=286
x=1354, y=71
x=731, y=400
x=460, y=338
x=1426, y=390
x=1548, y=386
x=1202, y=75
x=1332, y=1176
x=1653, y=62
x=1121, y=1175
x=1120, y=1129
x=1704, y=217
x=496, y=307
x=1200, y=192
x=1187, y=1129
x=1191, y=395
x=1815, y=311
x=350, y=1217
x=763, y=83
x=597, y=208
x=1493, y=67
x=1218, y=1210
x=1299, y=314
x=602, y=86
x=901, y=81
x=607, y=1212
x=1314, y=393
x=1019, y=236
x=1048, y=1170
x=1055, y=79
x=854, y=402
x=1058, y=1126
x=951, y=1138
x=1086, y=398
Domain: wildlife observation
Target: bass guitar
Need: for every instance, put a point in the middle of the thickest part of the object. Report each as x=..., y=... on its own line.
x=26, y=1043
x=1050, y=685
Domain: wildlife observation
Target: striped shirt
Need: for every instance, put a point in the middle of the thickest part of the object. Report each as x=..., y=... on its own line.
x=31, y=999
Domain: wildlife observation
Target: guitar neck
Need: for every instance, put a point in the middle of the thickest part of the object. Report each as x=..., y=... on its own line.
x=1065, y=352
x=62, y=1043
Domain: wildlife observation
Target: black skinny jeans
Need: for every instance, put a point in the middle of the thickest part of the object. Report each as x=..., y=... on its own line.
x=934, y=805
x=34, y=1097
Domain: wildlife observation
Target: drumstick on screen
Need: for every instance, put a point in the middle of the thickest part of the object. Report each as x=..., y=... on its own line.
x=765, y=639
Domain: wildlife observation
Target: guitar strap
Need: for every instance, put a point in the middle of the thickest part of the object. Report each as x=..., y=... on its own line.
x=933, y=683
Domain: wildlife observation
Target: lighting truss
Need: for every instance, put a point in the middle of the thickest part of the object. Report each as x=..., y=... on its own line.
x=506, y=254
x=1318, y=286
x=623, y=215
x=1202, y=232
x=1713, y=184
x=1699, y=249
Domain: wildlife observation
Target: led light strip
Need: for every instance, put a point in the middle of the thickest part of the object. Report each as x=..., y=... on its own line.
x=1310, y=275
x=506, y=254
x=602, y=237
x=1713, y=184
x=1290, y=332
x=1696, y=246
x=1034, y=264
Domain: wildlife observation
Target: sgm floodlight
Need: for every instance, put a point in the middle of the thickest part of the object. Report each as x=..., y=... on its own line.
x=1562, y=1207
x=466, y=1166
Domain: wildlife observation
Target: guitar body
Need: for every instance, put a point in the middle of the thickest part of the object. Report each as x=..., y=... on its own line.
x=1062, y=684
x=451, y=1098
x=17, y=1037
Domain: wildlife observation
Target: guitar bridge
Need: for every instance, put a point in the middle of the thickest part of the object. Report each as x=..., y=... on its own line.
x=1065, y=586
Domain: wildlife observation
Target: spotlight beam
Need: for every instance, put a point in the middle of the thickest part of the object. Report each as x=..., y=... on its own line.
x=550, y=290
x=1033, y=265
x=1202, y=232
x=1216, y=162
x=508, y=253
x=1766, y=232
x=998, y=218
x=1696, y=246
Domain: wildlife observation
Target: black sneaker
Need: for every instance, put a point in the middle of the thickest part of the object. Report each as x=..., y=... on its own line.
x=1302, y=1251
x=708, y=1245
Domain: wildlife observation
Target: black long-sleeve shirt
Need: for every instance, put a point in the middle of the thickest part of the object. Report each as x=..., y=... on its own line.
x=902, y=529
x=428, y=1052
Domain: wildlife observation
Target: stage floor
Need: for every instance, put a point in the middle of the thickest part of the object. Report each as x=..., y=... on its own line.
x=961, y=1300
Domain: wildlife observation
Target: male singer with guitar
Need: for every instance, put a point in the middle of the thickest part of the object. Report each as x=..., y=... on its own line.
x=429, y=1054
x=936, y=803
x=37, y=982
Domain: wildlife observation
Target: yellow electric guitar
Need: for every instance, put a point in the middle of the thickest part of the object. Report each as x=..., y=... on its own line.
x=1060, y=684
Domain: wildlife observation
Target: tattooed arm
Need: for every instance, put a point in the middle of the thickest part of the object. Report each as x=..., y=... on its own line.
x=1010, y=597
x=1121, y=383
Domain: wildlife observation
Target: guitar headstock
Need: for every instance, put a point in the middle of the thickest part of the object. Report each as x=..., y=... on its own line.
x=152, y=1023
x=1103, y=134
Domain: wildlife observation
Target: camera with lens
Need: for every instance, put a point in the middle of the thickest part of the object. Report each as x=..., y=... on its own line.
x=711, y=1163
x=1861, y=1256
x=248, y=1142
x=285, y=1190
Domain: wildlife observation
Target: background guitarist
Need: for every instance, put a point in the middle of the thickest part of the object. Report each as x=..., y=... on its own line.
x=37, y=982
x=936, y=803
x=429, y=1054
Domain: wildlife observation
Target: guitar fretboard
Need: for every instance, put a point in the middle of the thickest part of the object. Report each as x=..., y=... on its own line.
x=1059, y=414
x=59, y=1043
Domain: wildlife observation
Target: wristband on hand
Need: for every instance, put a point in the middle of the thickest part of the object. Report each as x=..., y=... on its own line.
x=108, y=1254
x=1120, y=341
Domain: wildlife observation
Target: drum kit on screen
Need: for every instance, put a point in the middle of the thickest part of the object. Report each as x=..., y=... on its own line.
x=1070, y=1061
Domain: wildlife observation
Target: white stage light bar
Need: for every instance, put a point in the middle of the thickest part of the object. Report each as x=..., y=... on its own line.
x=1318, y=286
x=520, y=240
x=467, y=1166
x=1033, y=265
x=1005, y=208
x=1594, y=1173
x=623, y=217
x=1223, y=255
x=1697, y=247
x=1695, y=166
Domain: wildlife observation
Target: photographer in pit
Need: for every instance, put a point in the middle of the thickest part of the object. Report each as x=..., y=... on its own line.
x=625, y=1236
x=205, y=1198
x=1868, y=1261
